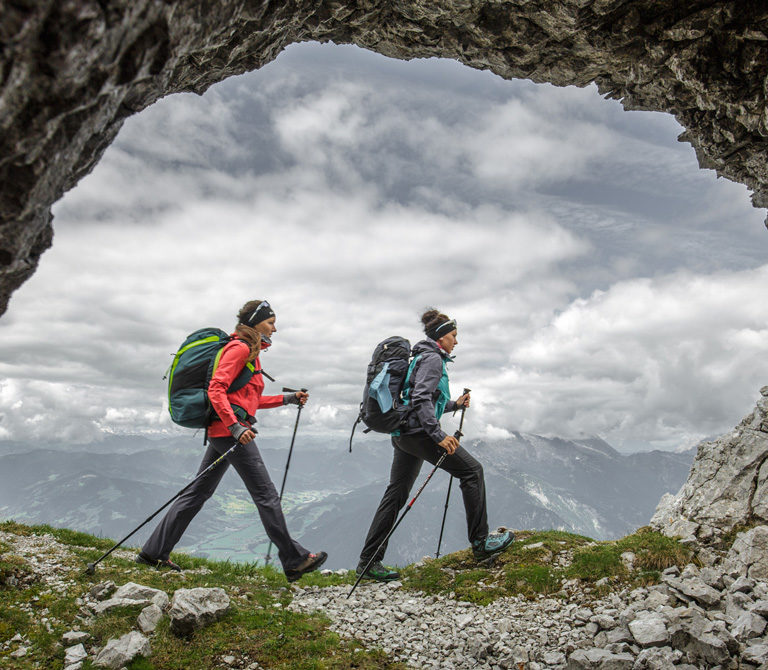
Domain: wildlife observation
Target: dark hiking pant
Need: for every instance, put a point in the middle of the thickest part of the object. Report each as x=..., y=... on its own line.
x=247, y=461
x=410, y=451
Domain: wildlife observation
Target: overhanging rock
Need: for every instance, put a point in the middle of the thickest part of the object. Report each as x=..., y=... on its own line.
x=71, y=72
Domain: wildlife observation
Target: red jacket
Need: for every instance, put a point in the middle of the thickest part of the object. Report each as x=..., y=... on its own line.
x=232, y=361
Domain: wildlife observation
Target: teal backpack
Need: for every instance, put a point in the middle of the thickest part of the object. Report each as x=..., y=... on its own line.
x=189, y=375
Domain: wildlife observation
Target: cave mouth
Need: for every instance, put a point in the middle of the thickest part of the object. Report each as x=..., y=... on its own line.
x=72, y=73
x=539, y=216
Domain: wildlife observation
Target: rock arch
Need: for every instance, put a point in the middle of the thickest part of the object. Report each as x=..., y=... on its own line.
x=71, y=72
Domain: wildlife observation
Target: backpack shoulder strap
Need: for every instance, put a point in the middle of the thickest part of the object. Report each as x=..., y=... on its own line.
x=407, y=382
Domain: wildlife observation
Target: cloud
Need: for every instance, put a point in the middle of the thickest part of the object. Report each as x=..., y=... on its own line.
x=579, y=247
x=641, y=357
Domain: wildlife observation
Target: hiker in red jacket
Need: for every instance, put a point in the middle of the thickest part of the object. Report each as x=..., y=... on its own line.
x=233, y=422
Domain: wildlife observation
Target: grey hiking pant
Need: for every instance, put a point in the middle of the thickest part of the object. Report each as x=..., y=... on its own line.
x=248, y=463
x=410, y=451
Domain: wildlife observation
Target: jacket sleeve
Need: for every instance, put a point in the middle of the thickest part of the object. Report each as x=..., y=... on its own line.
x=426, y=377
x=267, y=401
x=232, y=361
x=451, y=407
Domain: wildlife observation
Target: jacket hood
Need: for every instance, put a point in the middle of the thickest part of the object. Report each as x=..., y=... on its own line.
x=428, y=346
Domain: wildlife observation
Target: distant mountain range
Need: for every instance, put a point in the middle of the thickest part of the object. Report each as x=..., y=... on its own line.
x=108, y=488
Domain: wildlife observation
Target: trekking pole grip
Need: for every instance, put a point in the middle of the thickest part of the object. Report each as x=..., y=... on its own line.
x=458, y=434
x=289, y=390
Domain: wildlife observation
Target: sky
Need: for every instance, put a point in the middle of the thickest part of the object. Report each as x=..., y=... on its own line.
x=603, y=284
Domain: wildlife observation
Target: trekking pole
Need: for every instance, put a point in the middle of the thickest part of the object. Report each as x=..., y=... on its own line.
x=91, y=569
x=397, y=523
x=268, y=557
x=450, y=482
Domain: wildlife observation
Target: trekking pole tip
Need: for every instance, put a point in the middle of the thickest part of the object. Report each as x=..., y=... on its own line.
x=91, y=569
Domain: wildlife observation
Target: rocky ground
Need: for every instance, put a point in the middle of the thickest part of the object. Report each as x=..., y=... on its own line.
x=708, y=617
x=47, y=562
x=712, y=616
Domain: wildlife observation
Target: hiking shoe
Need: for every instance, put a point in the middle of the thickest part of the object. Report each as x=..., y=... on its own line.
x=493, y=544
x=309, y=564
x=143, y=559
x=378, y=572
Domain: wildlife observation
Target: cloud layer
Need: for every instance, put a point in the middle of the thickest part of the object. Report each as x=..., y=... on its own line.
x=602, y=282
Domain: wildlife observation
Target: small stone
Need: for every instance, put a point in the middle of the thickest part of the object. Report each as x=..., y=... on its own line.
x=743, y=584
x=75, y=637
x=628, y=559
x=75, y=654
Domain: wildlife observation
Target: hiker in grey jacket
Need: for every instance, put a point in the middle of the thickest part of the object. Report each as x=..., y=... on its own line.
x=422, y=439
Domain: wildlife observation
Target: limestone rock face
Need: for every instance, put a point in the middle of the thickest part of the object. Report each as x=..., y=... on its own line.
x=727, y=486
x=71, y=72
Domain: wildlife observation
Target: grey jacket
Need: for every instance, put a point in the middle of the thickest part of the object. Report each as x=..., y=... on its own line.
x=424, y=391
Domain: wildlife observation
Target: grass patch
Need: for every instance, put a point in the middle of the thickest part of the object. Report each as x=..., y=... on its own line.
x=593, y=563
x=540, y=563
x=654, y=551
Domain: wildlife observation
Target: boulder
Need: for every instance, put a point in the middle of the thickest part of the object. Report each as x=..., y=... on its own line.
x=694, y=588
x=649, y=630
x=702, y=640
x=120, y=652
x=133, y=591
x=132, y=594
x=195, y=608
x=149, y=618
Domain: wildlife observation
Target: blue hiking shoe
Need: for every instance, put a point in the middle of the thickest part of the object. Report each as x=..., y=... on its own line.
x=493, y=544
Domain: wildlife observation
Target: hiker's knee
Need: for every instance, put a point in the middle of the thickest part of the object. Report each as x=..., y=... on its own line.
x=474, y=472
